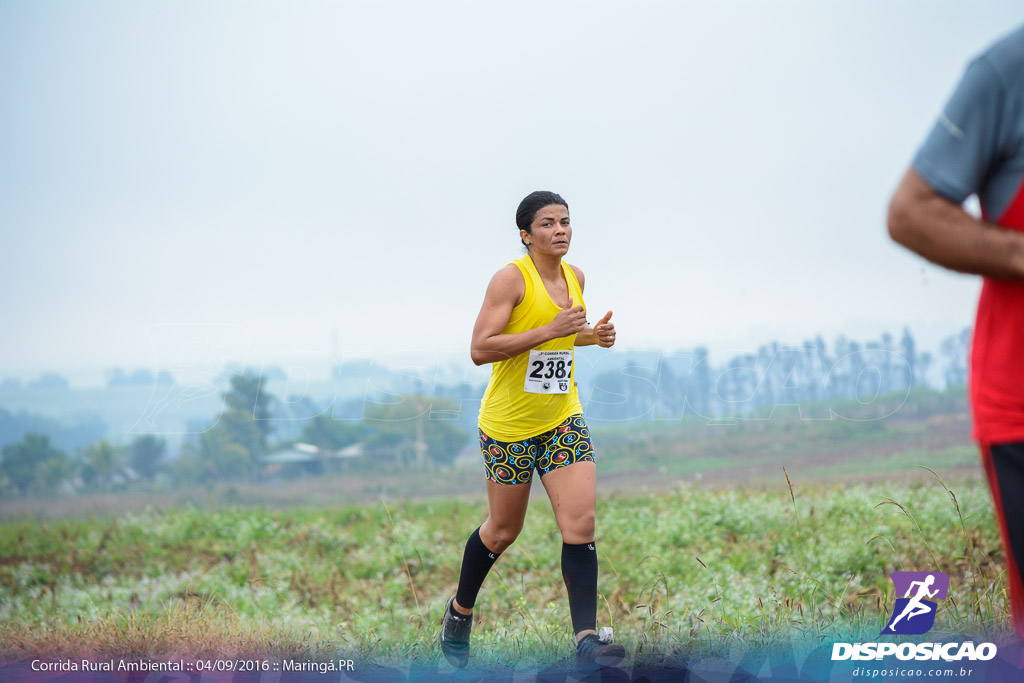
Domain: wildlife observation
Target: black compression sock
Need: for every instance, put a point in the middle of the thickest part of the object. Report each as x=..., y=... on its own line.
x=476, y=562
x=579, y=570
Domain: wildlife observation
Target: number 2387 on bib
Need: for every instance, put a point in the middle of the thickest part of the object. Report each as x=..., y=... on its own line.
x=548, y=372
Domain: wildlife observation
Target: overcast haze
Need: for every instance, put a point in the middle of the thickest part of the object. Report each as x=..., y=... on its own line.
x=281, y=172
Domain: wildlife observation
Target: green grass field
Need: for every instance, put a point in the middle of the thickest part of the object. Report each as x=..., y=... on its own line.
x=681, y=569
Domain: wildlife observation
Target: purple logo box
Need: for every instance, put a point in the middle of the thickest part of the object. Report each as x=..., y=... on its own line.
x=902, y=581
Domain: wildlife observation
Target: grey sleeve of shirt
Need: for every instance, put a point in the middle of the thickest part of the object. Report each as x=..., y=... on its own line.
x=964, y=143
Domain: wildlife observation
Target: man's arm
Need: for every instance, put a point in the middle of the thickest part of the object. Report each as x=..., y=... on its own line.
x=929, y=224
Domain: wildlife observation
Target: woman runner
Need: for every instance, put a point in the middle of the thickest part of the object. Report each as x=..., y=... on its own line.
x=531, y=418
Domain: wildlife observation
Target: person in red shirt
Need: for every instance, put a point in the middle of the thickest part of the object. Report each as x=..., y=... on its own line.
x=977, y=148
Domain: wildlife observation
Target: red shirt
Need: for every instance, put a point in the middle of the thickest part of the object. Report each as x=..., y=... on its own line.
x=977, y=147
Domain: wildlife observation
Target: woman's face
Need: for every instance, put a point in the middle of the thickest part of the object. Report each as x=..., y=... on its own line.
x=550, y=232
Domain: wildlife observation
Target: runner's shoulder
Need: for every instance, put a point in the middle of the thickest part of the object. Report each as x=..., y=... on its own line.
x=508, y=283
x=579, y=274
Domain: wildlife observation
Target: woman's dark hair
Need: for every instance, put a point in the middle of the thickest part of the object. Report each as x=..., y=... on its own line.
x=531, y=204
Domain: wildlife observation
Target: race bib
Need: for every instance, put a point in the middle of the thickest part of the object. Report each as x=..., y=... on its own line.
x=549, y=372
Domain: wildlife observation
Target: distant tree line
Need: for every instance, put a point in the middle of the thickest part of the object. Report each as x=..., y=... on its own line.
x=407, y=430
x=850, y=379
x=36, y=466
x=47, y=381
x=811, y=379
x=67, y=435
x=116, y=377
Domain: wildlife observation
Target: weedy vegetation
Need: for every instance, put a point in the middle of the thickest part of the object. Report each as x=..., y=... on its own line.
x=683, y=571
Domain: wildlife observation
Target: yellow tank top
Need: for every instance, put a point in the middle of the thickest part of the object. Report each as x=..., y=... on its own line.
x=507, y=411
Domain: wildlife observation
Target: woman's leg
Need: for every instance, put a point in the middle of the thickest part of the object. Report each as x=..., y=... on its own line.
x=506, y=511
x=572, y=490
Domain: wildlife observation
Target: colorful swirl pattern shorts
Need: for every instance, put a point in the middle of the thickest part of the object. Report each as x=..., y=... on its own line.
x=513, y=462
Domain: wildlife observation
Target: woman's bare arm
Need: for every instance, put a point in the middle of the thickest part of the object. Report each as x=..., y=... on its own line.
x=504, y=292
x=603, y=333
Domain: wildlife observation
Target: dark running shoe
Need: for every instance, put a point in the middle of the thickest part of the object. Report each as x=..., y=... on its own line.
x=593, y=651
x=455, y=630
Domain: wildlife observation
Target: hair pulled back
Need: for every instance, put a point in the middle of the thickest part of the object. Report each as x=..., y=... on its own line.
x=531, y=204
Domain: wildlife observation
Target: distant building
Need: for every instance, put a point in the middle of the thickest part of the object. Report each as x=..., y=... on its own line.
x=304, y=458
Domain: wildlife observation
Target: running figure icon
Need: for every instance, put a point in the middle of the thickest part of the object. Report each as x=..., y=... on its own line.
x=916, y=606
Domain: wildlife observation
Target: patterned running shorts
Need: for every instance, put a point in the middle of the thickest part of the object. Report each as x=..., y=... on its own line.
x=513, y=462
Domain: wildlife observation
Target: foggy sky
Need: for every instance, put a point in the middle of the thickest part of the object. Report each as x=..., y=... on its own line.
x=285, y=172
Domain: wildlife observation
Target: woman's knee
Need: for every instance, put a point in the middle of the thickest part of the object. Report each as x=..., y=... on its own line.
x=578, y=528
x=498, y=536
